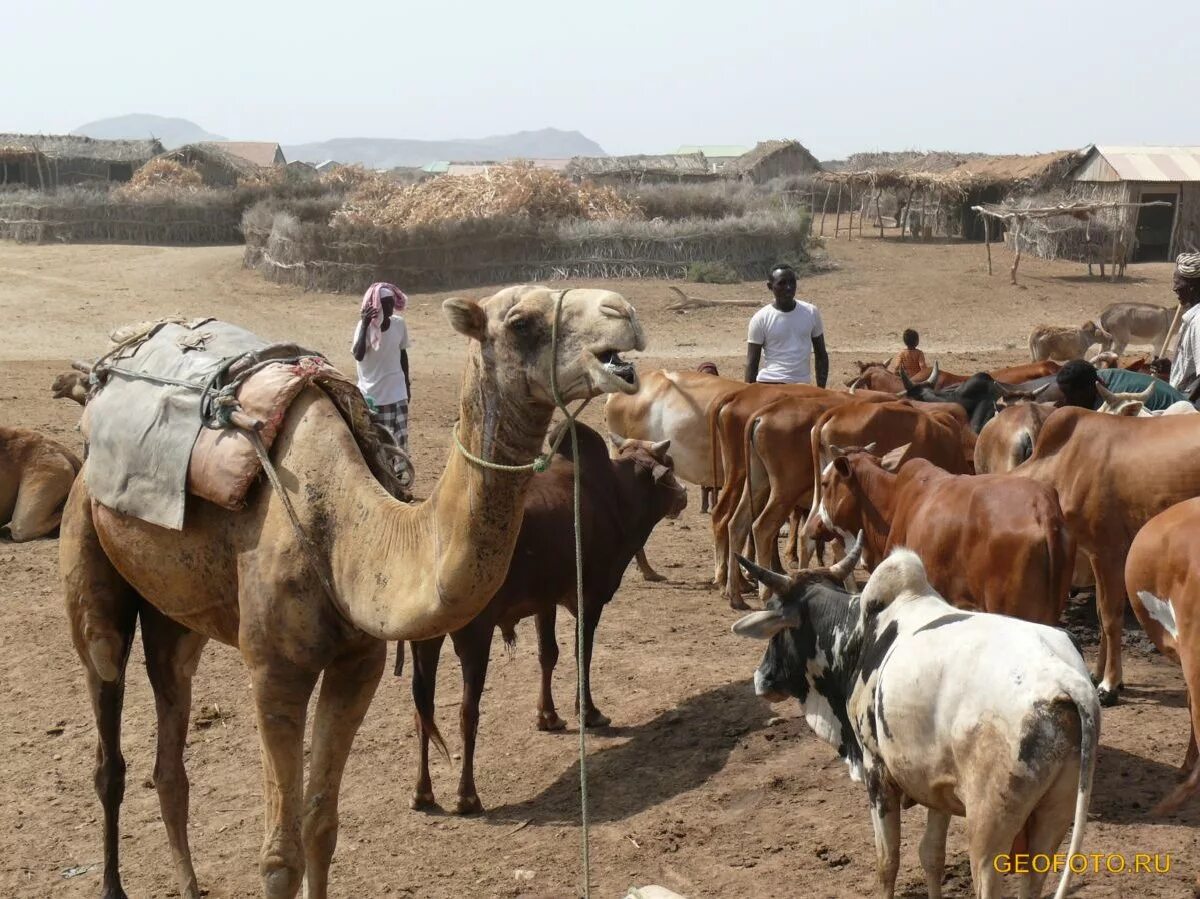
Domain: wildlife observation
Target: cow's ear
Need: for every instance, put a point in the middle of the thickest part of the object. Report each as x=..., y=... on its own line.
x=842, y=466
x=894, y=459
x=1132, y=409
x=763, y=625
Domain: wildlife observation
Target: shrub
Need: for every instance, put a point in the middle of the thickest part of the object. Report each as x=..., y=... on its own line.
x=712, y=273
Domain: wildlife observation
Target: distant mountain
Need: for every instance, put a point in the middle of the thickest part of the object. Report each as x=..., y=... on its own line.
x=171, y=132
x=386, y=153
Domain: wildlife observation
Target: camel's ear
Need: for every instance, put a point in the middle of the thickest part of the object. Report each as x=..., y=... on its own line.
x=466, y=317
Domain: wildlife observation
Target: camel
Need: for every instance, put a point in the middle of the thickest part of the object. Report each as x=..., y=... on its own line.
x=36, y=474
x=396, y=572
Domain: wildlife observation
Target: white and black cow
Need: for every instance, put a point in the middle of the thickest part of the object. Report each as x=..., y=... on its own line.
x=966, y=713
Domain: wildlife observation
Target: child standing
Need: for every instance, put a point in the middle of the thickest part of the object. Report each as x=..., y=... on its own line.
x=911, y=361
x=380, y=348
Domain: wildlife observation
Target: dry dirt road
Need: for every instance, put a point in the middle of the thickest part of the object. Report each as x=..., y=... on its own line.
x=696, y=786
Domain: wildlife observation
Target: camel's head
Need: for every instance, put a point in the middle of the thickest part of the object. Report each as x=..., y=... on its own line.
x=514, y=329
x=71, y=386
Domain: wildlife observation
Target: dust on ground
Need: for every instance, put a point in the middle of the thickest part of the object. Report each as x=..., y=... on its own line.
x=697, y=785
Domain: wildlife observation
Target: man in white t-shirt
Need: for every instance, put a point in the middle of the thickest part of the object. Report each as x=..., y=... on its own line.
x=785, y=336
x=381, y=350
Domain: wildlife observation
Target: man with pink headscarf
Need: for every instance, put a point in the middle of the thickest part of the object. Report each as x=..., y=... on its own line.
x=381, y=349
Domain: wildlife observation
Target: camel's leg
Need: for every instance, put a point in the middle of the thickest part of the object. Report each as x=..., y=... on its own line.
x=1110, y=604
x=281, y=694
x=425, y=655
x=933, y=851
x=592, y=716
x=648, y=573
x=346, y=692
x=102, y=616
x=547, y=658
x=172, y=654
x=39, y=506
x=473, y=645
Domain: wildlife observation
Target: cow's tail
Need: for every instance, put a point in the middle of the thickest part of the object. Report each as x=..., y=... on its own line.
x=1088, y=707
x=750, y=432
x=714, y=437
x=1060, y=554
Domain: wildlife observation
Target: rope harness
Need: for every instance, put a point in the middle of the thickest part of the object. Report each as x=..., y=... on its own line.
x=541, y=463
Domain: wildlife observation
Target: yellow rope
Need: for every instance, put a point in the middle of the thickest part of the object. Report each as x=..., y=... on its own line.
x=541, y=463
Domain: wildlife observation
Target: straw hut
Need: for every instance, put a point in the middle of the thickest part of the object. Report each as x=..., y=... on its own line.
x=641, y=169
x=217, y=168
x=53, y=160
x=773, y=159
x=262, y=154
x=718, y=155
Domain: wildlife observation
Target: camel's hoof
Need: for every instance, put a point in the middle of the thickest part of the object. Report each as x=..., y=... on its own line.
x=421, y=801
x=1108, y=698
x=549, y=721
x=468, y=805
x=595, y=718
x=113, y=893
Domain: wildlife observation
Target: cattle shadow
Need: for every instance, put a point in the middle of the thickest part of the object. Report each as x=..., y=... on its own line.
x=674, y=752
x=1126, y=788
x=1161, y=696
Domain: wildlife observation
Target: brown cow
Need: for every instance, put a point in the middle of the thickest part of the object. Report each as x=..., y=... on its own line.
x=1162, y=577
x=1113, y=474
x=875, y=377
x=992, y=542
x=621, y=502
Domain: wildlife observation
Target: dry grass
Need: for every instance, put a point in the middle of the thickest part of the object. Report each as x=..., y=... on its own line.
x=159, y=176
x=501, y=192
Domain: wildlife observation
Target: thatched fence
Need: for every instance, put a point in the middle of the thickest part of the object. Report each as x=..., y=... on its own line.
x=490, y=251
x=79, y=217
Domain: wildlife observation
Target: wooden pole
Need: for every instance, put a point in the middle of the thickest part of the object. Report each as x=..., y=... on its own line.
x=1170, y=331
x=924, y=200
x=825, y=206
x=1016, y=247
x=862, y=212
x=850, y=212
x=837, y=224
x=879, y=211
x=987, y=240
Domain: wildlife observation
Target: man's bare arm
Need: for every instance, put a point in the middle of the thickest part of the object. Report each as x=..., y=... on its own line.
x=822, y=360
x=753, y=357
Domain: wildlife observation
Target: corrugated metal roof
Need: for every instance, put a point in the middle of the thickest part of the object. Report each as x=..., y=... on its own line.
x=716, y=151
x=1169, y=164
x=436, y=168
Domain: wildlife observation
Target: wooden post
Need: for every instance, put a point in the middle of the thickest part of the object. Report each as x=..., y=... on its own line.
x=1016, y=247
x=879, y=211
x=1170, y=331
x=862, y=212
x=825, y=206
x=1113, y=275
x=987, y=239
x=850, y=212
x=924, y=200
x=837, y=224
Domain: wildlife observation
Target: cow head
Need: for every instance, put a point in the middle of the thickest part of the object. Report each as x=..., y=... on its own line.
x=920, y=390
x=813, y=628
x=660, y=493
x=1010, y=396
x=1129, y=404
x=839, y=512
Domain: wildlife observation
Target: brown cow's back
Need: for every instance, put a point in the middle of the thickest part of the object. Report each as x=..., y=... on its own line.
x=996, y=542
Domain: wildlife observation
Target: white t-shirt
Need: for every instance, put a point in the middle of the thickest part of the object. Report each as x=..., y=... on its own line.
x=786, y=339
x=380, y=375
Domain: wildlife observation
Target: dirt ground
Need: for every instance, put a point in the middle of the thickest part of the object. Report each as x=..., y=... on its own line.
x=697, y=785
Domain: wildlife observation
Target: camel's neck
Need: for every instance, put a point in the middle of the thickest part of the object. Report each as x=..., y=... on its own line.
x=408, y=572
x=876, y=489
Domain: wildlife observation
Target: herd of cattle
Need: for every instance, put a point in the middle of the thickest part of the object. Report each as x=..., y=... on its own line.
x=961, y=496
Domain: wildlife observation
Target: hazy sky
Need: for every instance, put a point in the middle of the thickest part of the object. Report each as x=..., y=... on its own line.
x=1021, y=76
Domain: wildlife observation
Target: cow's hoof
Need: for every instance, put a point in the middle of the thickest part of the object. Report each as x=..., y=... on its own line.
x=652, y=577
x=1108, y=698
x=468, y=805
x=595, y=718
x=113, y=893
x=421, y=801
x=549, y=721
x=739, y=604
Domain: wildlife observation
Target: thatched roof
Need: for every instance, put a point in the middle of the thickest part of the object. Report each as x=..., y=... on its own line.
x=72, y=146
x=673, y=165
x=766, y=149
x=260, y=153
x=954, y=173
x=209, y=155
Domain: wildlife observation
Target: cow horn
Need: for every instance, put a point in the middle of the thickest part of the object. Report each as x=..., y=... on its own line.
x=870, y=447
x=778, y=583
x=932, y=380
x=616, y=439
x=906, y=380
x=1041, y=390
x=658, y=450
x=1145, y=395
x=842, y=570
x=1104, y=392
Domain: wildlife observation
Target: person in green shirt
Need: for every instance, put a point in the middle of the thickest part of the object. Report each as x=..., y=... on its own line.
x=1077, y=381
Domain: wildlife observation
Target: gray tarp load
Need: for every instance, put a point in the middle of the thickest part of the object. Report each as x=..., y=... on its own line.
x=155, y=394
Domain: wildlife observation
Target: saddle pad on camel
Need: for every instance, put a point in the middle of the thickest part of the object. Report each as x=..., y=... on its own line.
x=140, y=433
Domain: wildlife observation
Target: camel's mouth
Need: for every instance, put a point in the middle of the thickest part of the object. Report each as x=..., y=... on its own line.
x=615, y=365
